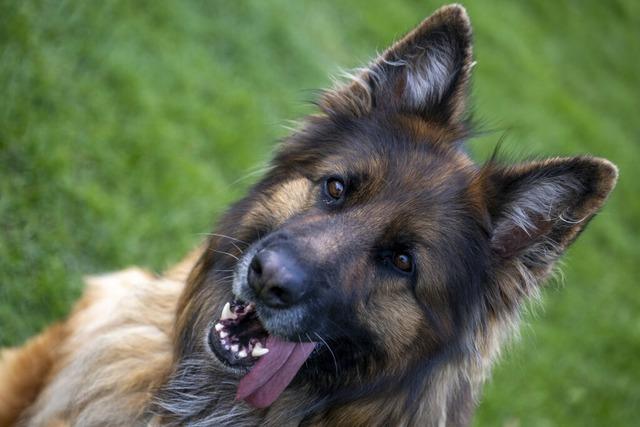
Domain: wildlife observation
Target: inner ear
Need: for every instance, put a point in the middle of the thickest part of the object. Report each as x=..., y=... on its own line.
x=515, y=238
x=539, y=208
x=425, y=73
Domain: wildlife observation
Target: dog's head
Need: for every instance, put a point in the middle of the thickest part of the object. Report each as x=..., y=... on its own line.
x=374, y=236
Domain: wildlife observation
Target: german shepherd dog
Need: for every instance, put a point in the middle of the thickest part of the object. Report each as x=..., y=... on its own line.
x=369, y=279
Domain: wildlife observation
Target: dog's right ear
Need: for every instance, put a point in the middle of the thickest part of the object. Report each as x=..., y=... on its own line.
x=537, y=210
x=426, y=73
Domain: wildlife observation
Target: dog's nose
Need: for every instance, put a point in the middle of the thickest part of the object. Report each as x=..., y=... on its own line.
x=277, y=278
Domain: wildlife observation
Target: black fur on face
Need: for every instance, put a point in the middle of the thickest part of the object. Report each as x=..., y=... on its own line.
x=403, y=194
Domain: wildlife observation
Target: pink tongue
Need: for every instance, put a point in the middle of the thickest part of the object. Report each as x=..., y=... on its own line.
x=273, y=372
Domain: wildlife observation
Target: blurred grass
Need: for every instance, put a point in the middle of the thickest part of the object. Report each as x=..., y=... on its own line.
x=126, y=127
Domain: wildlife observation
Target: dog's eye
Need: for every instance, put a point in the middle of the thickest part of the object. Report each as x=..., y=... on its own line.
x=334, y=188
x=402, y=261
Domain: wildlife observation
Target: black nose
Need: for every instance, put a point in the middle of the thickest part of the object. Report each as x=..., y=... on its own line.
x=277, y=278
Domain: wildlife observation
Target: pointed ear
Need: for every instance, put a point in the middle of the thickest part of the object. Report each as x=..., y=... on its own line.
x=426, y=73
x=538, y=209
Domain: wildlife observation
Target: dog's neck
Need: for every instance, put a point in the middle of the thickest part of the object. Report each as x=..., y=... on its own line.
x=195, y=396
x=446, y=396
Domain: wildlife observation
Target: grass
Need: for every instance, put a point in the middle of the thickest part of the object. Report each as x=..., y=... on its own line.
x=127, y=127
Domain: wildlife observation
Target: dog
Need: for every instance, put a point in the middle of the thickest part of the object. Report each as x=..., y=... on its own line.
x=370, y=277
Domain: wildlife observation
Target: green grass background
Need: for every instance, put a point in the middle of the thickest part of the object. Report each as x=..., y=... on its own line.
x=127, y=127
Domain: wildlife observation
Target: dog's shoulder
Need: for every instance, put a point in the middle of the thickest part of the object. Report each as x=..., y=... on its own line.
x=104, y=361
x=23, y=371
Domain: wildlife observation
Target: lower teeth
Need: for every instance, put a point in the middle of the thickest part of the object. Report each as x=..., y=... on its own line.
x=233, y=315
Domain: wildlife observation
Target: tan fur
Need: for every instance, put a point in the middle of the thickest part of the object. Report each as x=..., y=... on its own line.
x=24, y=371
x=104, y=362
x=275, y=208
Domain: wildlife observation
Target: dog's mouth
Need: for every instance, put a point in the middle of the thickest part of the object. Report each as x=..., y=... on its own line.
x=240, y=341
x=239, y=338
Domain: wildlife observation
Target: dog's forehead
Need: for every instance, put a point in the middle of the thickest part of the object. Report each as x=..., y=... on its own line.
x=398, y=163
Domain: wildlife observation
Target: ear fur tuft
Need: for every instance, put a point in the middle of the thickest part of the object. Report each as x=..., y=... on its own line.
x=539, y=208
x=426, y=73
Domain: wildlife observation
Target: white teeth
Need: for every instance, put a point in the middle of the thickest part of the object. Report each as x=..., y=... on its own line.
x=241, y=352
x=227, y=313
x=259, y=350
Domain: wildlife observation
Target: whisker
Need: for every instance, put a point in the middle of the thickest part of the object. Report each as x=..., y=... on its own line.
x=232, y=240
x=346, y=332
x=237, y=247
x=259, y=171
x=225, y=253
x=335, y=361
x=227, y=237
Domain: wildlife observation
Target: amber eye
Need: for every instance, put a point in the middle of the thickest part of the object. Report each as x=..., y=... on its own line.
x=403, y=261
x=335, y=188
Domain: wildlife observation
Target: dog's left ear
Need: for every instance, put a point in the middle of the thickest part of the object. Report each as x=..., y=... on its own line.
x=537, y=210
x=426, y=73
